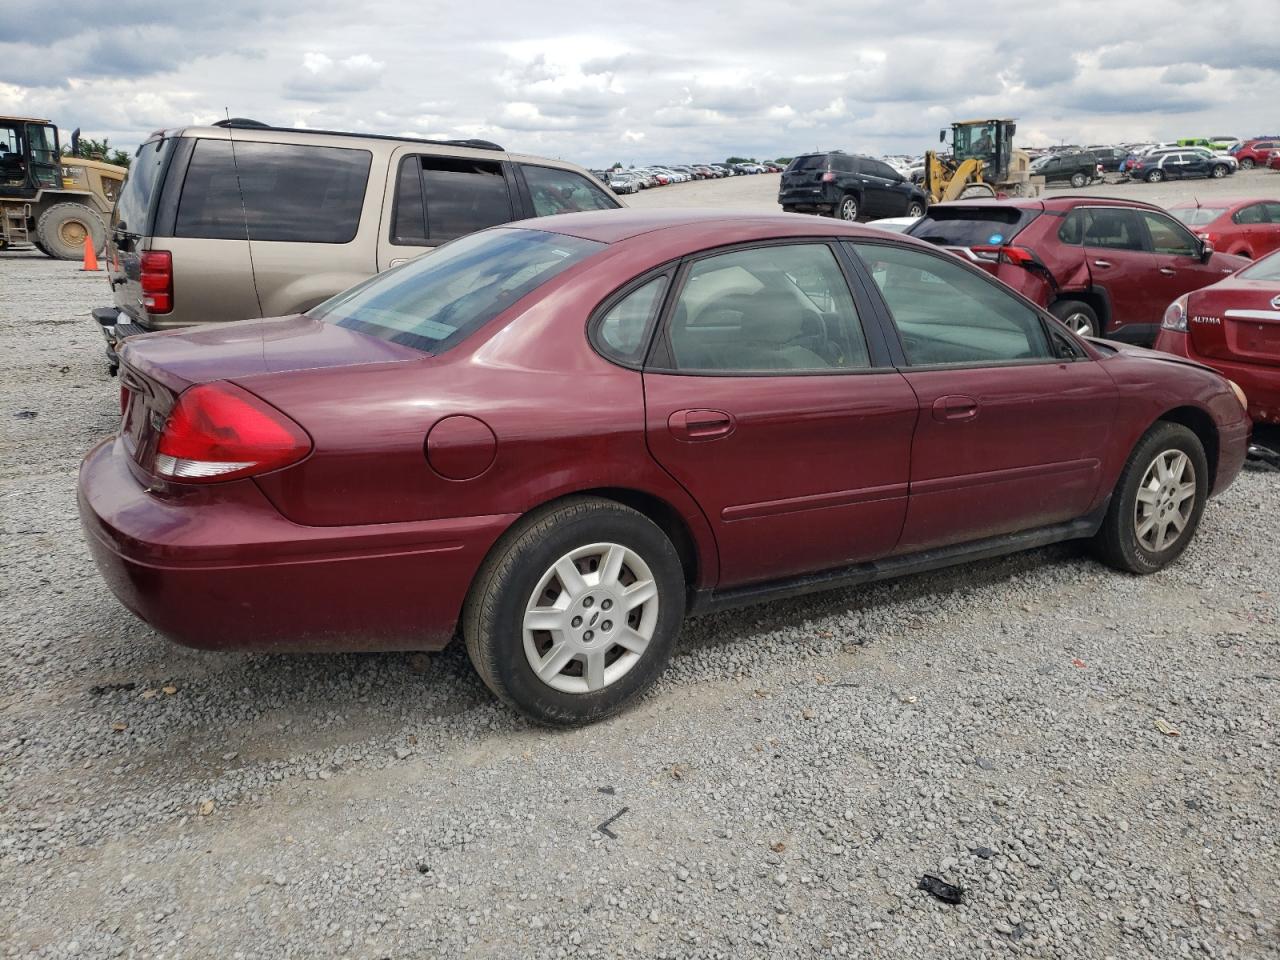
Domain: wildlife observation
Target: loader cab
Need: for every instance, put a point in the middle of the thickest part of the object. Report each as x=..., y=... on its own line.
x=28, y=157
x=990, y=141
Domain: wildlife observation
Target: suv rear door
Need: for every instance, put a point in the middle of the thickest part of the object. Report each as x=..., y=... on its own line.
x=882, y=191
x=1115, y=250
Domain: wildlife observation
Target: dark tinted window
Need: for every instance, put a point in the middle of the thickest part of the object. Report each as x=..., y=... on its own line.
x=563, y=191
x=432, y=303
x=1273, y=212
x=946, y=313
x=1072, y=229
x=140, y=186
x=814, y=161
x=878, y=169
x=768, y=309
x=409, y=218
x=463, y=196
x=275, y=191
x=1112, y=229
x=844, y=164
x=965, y=226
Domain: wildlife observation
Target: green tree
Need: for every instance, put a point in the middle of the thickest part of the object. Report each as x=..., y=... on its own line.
x=91, y=149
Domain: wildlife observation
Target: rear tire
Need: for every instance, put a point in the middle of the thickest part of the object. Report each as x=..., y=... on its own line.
x=1155, y=176
x=62, y=229
x=915, y=209
x=1077, y=316
x=847, y=208
x=1079, y=180
x=575, y=669
x=1146, y=535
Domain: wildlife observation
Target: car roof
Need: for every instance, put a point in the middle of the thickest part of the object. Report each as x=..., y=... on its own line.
x=1056, y=203
x=1229, y=202
x=612, y=226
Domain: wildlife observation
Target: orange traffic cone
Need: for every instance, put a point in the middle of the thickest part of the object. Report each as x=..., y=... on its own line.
x=90, y=257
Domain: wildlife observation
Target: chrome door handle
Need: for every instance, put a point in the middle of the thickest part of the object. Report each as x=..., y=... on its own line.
x=1102, y=263
x=1168, y=271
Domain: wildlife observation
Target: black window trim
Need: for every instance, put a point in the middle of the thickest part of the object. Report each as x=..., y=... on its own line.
x=884, y=316
x=661, y=360
x=1149, y=245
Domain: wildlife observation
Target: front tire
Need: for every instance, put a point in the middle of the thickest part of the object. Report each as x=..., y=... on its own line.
x=1218, y=172
x=847, y=208
x=576, y=611
x=1246, y=164
x=62, y=230
x=1157, y=503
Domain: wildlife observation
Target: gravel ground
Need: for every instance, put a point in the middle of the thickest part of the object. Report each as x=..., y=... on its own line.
x=779, y=794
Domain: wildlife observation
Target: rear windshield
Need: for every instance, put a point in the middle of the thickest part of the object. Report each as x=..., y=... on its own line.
x=965, y=226
x=1197, y=216
x=134, y=204
x=1268, y=268
x=812, y=162
x=273, y=191
x=437, y=300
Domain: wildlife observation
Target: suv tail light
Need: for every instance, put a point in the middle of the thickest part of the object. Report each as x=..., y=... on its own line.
x=1017, y=256
x=156, y=275
x=829, y=177
x=217, y=431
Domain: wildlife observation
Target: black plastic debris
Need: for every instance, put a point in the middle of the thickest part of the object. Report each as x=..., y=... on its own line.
x=982, y=853
x=607, y=791
x=423, y=867
x=941, y=890
x=101, y=688
x=604, y=827
x=26, y=414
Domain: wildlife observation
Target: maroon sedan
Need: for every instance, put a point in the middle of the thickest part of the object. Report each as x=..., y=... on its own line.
x=558, y=438
x=1234, y=327
x=1243, y=228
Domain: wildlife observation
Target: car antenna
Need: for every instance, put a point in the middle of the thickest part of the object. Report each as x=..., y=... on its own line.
x=244, y=214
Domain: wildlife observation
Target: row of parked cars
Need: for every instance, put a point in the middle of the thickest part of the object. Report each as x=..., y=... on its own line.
x=777, y=404
x=635, y=179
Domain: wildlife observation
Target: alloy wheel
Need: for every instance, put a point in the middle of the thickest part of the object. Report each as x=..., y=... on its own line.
x=848, y=209
x=590, y=618
x=1166, y=499
x=1081, y=324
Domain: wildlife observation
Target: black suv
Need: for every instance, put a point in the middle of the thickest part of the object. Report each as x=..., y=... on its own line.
x=848, y=186
x=1077, y=168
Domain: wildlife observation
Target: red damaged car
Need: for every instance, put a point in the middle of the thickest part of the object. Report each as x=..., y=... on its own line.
x=1234, y=327
x=1243, y=228
x=558, y=438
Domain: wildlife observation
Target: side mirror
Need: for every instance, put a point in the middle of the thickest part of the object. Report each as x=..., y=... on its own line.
x=1206, y=251
x=942, y=136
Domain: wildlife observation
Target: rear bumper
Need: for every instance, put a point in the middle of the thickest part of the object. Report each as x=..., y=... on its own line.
x=219, y=568
x=116, y=325
x=1261, y=384
x=806, y=198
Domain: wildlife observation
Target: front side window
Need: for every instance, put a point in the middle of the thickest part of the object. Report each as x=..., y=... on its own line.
x=945, y=313
x=432, y=303
x=272, y=191
x=563, y=191
x=774, y=309
x=1169, y=237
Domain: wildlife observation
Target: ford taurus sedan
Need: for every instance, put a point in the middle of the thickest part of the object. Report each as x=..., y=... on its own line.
x=556, y=439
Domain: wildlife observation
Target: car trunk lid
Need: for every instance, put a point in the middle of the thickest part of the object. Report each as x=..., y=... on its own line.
x=156, y=368
x=1237, y=319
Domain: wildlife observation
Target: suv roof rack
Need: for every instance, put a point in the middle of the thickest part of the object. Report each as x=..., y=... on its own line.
x=244, y=123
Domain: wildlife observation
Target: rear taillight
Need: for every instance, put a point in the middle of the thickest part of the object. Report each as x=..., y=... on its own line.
x=217, y=431
x=156, y=276
x=1175, y=316
x=1016, y=256
x=829, y=177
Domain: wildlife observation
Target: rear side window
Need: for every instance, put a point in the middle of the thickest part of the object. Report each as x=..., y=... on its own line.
x=442, y=198
x=562, y=191
x=1112, y=229
x=272, y=191
x=432, y=303
x=131, y=210
x=966, y=226
x=620, y=333
x=1254, y=213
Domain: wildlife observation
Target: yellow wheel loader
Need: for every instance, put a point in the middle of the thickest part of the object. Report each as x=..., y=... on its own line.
x=50, y=201
x=983, y=163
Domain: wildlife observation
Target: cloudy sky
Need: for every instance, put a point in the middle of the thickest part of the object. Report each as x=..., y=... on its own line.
x=688, y=81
